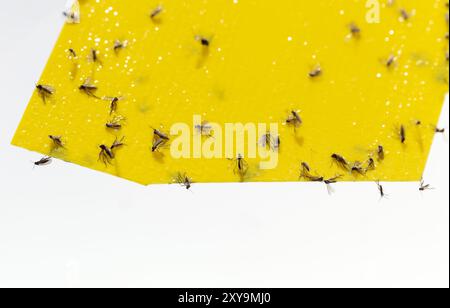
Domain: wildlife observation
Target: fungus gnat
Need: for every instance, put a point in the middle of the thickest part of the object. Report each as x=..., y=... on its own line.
x=119, y=45
x=105, y=155
x=294, y=119
x=72, y=53
x=203, y=41
x=115, y=123
x=114, y=102
x=43, y=161
x=184, y=180
x=424, y=187
x=117, y=144
x=93, y=56
x=380, y=153
x=355, y=31
x=89, y=89
x=402, y=134
x=204, y=129
x=357, y=167
x=316, y=72
x=45, y=91
x=381, y=189
x=340, y=161
x=370, y=164
x=159, y=140
x=438, y=130
x=241, y=166
x=156, y=12
x=404, y=14
x=57, y=141
x=271, y=142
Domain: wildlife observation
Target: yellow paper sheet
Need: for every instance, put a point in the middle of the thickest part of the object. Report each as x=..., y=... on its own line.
x=255, y=70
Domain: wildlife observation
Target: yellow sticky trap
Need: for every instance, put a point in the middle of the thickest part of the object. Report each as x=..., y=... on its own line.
x=356, y=71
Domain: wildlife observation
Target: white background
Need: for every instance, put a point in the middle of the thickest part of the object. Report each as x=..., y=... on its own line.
x=64, y=225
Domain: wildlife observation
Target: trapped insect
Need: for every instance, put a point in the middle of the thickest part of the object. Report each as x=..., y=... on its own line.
x=315, y=72
x=203, y=41
x=340, y=161
x=159, y=140
x=241, y=166
x=270, y=141
x=57, y=141
x=114, y=103
x=115, y=123
x=105, y=155
x=117, y=144
x=405, y=15
x=305, y=174
x=93, y=56
x=119, y=45
x=45, y=91
x=330, y=181
x=72, y=53
x=89, y=89
x=380, y=153
x=294, y=119
x=43, y=161
x=357, y=167
x=156, y=12
x=424, y=187
x=204, y=129
x=355, y=31
x=184, y=180
x=370, y=164
x=402, y=134
x=390, y=61
x=381, y=189
x=439, y=130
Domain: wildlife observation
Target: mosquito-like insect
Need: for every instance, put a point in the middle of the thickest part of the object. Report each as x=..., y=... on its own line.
x=271, y=142
x=355, y=31
x=57, y=141
x=93, y=56
x=330, y=181
x=405, y=15
x=72, y=53
x=184, y=180
x=89, y=89
x=156, y=12
x=402, y=134
x=357, y=167
x=424, y=187
x=72, y=14
x=241, y=166
x=105, y=155
x=391, y=61
x=380, y=153
x=119, y=45
x=340, y=161
x=381, y=189
x=114, y=103
x=370, y=164
x=159, y=139
x=438, y=130
x=43, y=161
x=316, y=72
x=117, y=144
x=45, y=91
x=115, y=123
x=305, y=173
x=203, y=41
x=204, y=129
x=294, y=119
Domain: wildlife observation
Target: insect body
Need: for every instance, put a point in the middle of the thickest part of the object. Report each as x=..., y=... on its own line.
x=89, y=89
x=294, y=119
x=156, y=12
x=424, y=187
x=57, y=141
x=159, y=140
x=315, y=72
x=184, y=180
x=119, y=45
x=43, y=161
x=380, y=153
x=402, y=134
x=340, y=161
x=45, y=91
x=381, y=190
